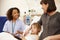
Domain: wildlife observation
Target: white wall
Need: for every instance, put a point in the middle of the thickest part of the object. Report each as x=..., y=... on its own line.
x=6, y=4
x=23, y=5
x=58, y=5
x=0, y=7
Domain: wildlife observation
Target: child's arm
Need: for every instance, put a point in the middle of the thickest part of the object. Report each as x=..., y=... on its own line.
x=27, y=31
x=22, y=37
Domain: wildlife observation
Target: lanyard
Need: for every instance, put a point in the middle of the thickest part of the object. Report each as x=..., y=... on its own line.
x=13, y=27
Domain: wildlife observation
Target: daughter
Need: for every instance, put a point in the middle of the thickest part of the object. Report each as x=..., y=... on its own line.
x=34, y=32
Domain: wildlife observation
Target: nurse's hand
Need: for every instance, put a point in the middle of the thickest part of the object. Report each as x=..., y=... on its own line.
x=18, y=32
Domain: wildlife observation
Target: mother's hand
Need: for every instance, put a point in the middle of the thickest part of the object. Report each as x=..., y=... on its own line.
x=48, y=38
x=54, y=37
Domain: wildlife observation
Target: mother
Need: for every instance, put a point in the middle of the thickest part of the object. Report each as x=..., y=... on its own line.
x=50, y=19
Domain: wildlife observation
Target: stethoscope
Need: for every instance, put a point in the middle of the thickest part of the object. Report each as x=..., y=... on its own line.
x=13, y=26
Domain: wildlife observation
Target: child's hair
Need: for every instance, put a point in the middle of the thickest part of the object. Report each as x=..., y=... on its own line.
x=38, y=26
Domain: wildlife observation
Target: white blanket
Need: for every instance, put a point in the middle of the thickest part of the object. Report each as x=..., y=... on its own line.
x=6, y=36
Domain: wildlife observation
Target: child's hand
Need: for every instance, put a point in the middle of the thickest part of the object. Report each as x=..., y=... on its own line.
x=22, y=37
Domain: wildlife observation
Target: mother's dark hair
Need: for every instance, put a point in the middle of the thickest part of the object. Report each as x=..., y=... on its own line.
x=51, y=3
x=9, y=13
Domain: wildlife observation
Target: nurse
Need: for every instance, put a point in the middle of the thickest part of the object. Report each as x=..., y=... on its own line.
x=14, y=25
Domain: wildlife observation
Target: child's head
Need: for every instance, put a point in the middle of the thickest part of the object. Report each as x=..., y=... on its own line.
x=35, y=28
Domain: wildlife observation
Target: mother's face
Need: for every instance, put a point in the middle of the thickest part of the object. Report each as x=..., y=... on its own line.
x=44, y=7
